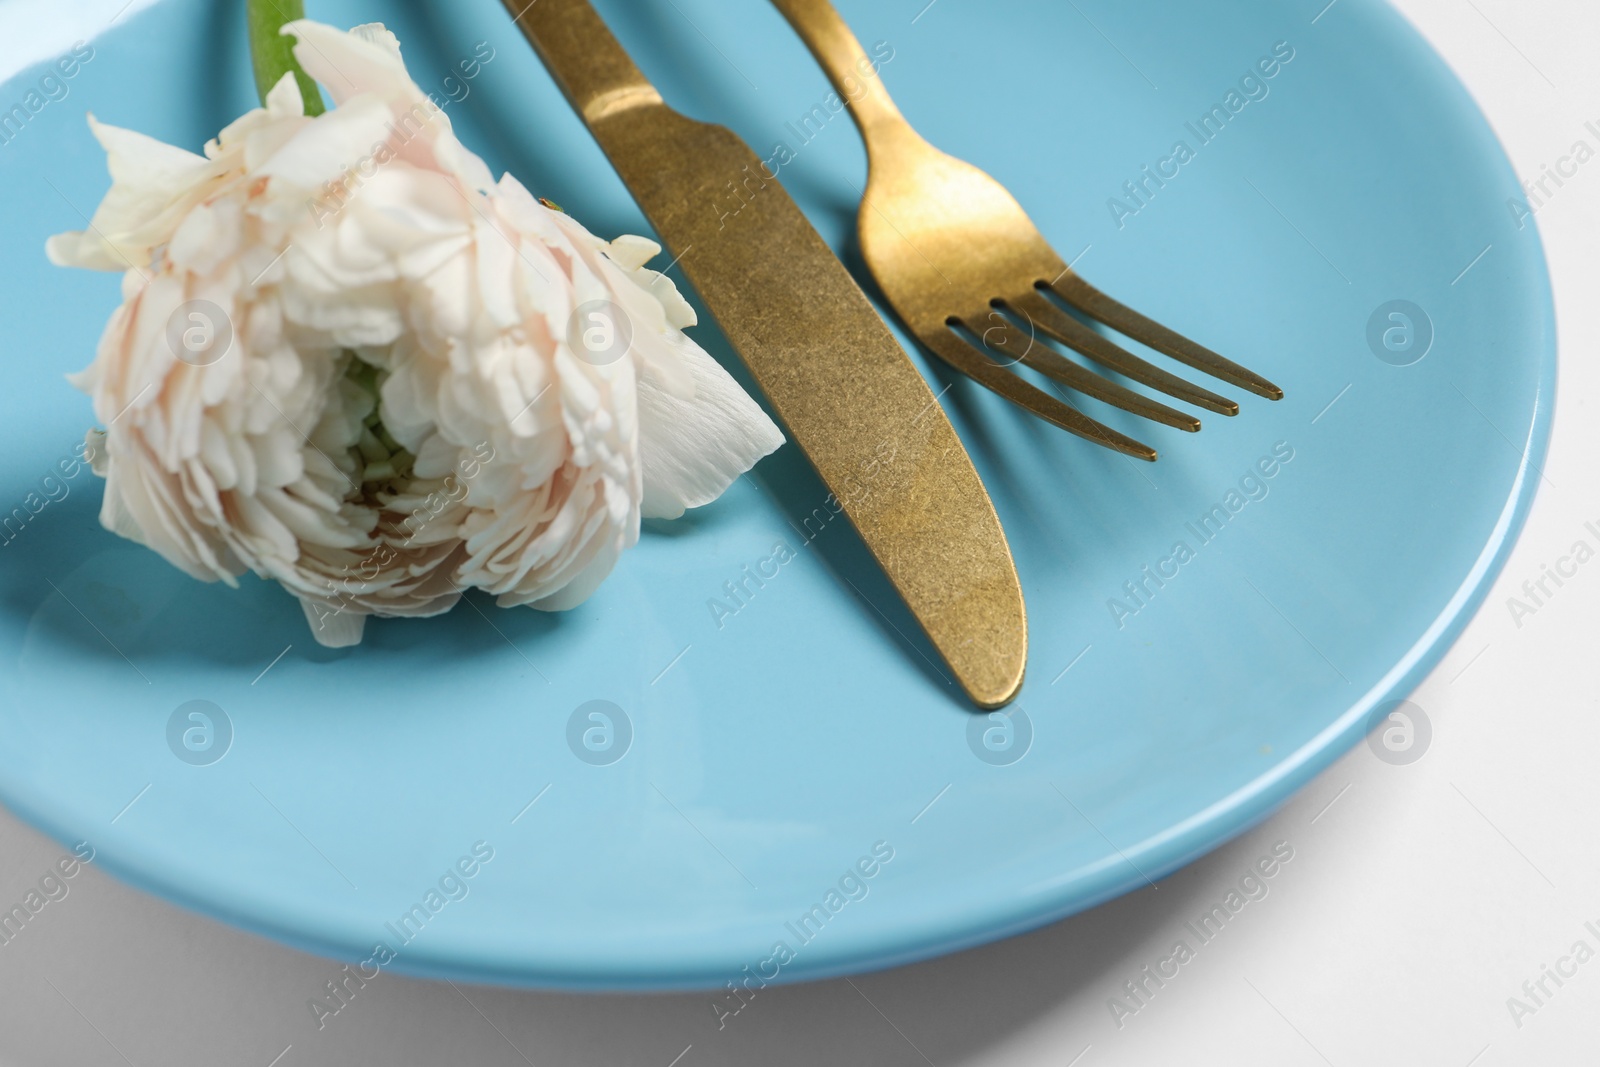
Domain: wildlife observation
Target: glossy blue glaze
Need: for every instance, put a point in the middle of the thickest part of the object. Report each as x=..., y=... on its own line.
x=771, y=752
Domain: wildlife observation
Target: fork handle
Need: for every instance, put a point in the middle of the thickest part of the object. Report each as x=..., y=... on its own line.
x=852, y=71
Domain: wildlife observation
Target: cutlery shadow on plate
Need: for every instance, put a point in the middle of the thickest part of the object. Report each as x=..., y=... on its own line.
x=787, y=478
x=790, y=482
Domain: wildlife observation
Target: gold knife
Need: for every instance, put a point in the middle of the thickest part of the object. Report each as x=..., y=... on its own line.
x=839, y=381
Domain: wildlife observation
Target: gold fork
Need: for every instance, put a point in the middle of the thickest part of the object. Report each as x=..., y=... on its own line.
x=956, y=255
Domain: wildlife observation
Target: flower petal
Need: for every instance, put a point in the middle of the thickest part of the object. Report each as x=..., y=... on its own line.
x=348, y=64
x=692, y=450
x=331, y=627
x=148, y=178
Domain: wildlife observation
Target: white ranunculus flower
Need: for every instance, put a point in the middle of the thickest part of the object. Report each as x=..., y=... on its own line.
x=349, y=360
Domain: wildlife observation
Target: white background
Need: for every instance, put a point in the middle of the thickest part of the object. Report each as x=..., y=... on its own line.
x=1420, y=897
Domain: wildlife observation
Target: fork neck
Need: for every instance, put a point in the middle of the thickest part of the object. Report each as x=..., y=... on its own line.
x=849, y=67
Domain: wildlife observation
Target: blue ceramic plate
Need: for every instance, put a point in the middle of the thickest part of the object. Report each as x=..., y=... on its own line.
x=789, y=769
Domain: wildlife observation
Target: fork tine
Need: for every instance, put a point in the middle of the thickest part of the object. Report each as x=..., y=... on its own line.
x=1016, y=346
x=978, y=366
x=1075, y=335
x=1097, y=305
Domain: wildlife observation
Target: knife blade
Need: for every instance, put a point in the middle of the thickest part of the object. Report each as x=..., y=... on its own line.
x=837, y=379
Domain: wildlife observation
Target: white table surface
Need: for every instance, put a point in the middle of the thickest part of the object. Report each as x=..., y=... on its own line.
x=1420, y=897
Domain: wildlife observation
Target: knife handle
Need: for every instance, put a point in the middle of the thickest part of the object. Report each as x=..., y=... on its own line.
x=588, y=63
x=847, y=65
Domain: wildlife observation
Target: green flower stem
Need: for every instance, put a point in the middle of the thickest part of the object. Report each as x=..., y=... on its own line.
x=272, y=54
